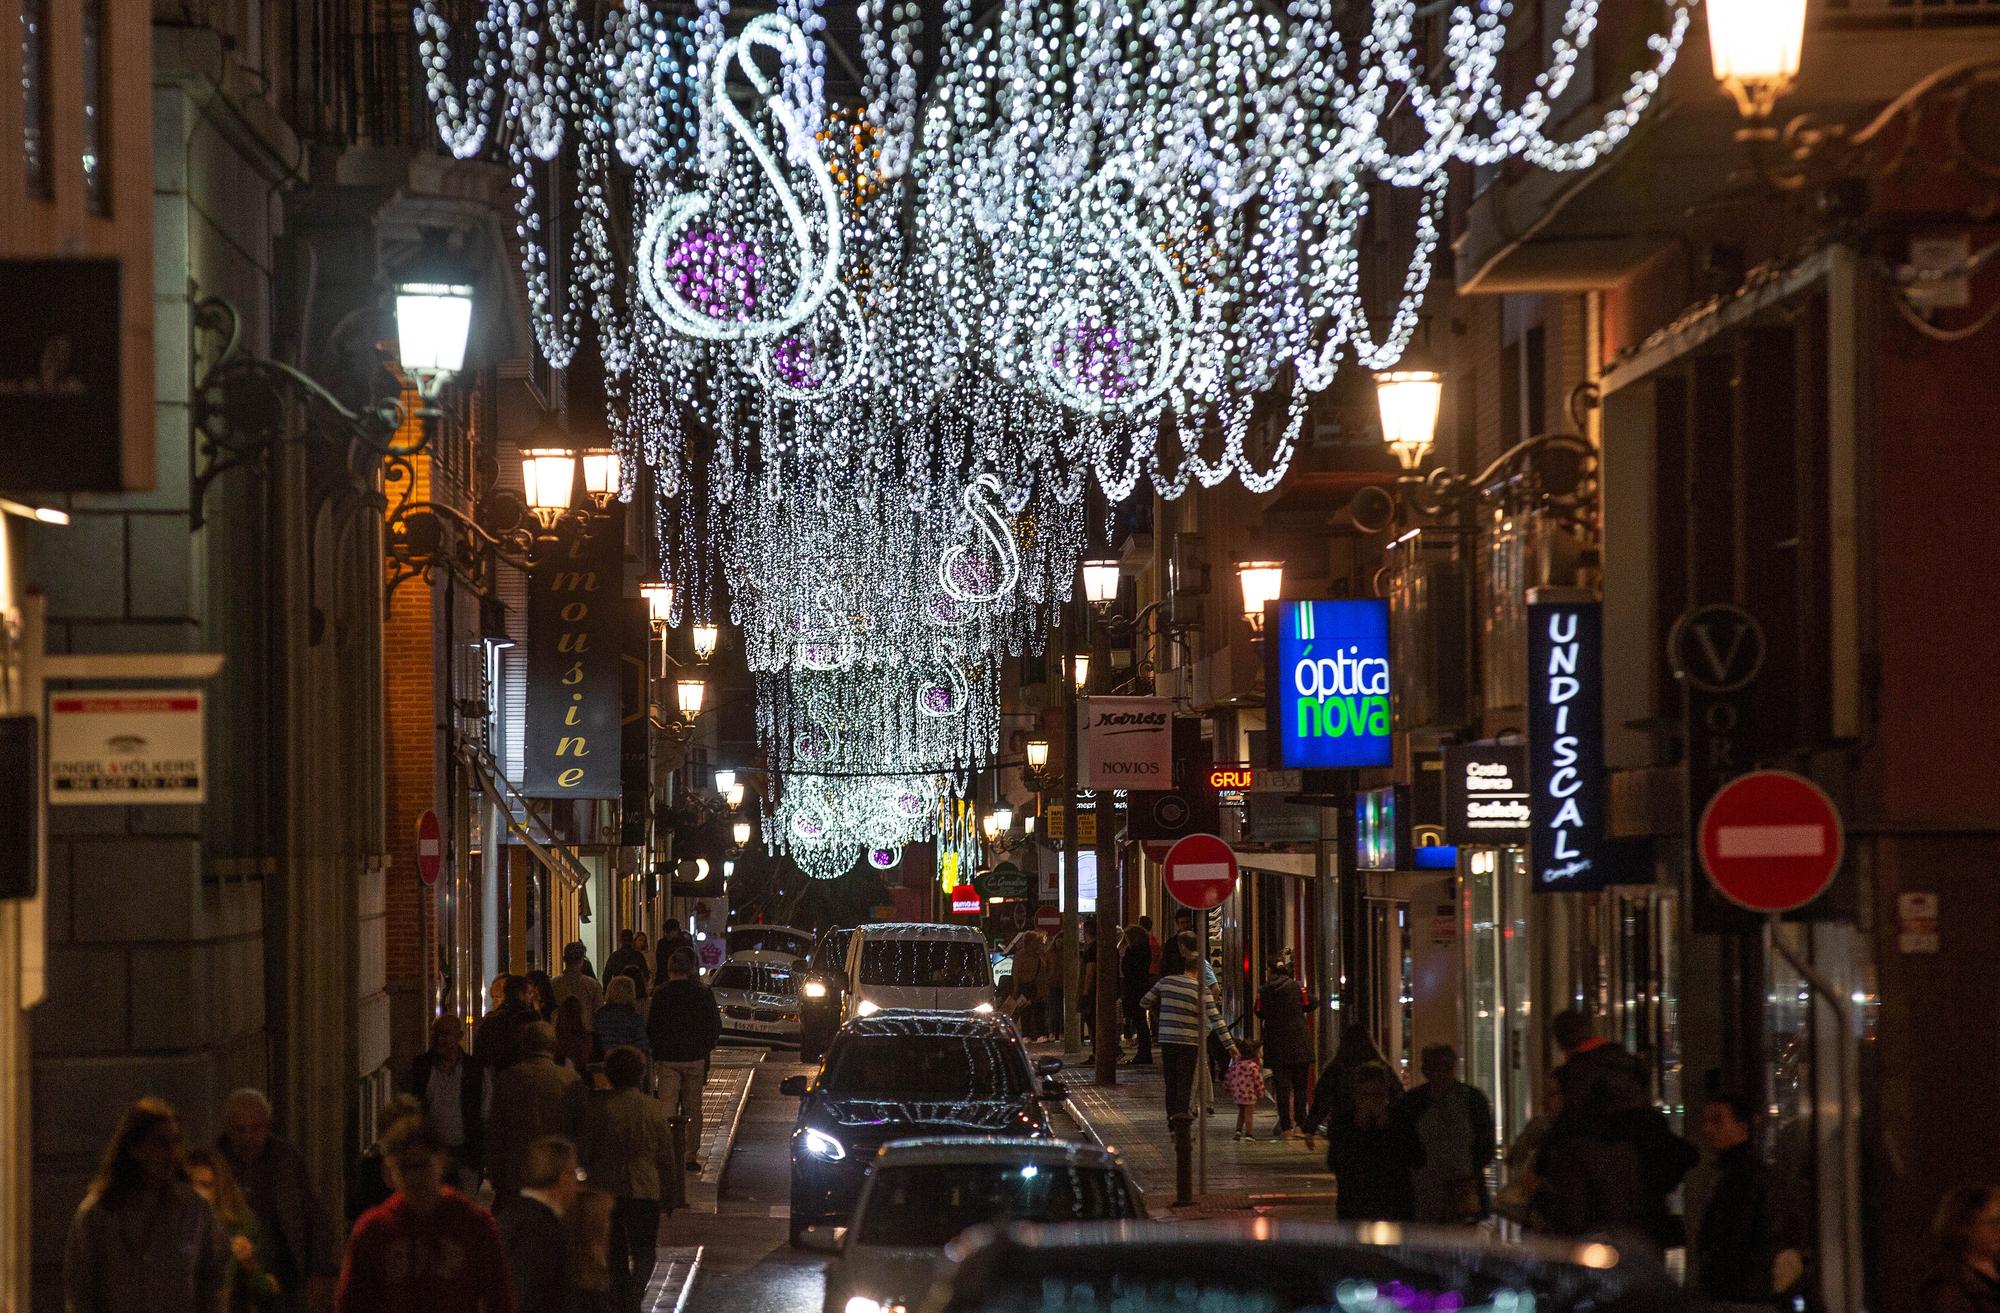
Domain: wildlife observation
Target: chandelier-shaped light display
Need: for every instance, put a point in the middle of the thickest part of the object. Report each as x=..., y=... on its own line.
x=873, y=354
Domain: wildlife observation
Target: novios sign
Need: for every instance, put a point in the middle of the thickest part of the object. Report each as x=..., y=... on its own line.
x=1566, y=746
x=1330, y=683
x=1128, y=743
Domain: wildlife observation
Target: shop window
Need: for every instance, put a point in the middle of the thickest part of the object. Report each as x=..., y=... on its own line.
x=35, y=98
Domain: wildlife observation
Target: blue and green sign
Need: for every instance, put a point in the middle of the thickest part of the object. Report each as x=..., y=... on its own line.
x=1330, y=686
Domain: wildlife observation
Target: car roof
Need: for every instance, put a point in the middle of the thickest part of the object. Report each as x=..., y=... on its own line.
x=763, y=957
x=923, y=1021
x=920, y=930
x=970, y=1149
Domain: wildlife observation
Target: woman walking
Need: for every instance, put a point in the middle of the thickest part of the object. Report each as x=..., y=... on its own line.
x=1288, y=1049
x=1135, y=977
x=144, y=1241
x=252, y=1287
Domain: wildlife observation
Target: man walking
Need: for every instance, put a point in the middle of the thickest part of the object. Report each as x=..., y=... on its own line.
x=628, y=1152
x=271, y=1172
x=1186, y=1011
x=577, y=983
x=532, y=1100
x=497, y=1038
x=629, y=958
x=428, y=1249
x=533, y=1232
x=683, y=1027
x=1454, y=1122
x=449, y=1083
x=1739, y=1256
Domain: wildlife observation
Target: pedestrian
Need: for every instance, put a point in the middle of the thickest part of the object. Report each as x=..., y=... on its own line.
x=1610, y=1161
x=618, y=1022
x=671, y=938
x=271, y=1172
x=427, y=1249
x=542, y=995
x=1968, y=1234
x=143, y=1240
x=1454, y=1121
x=1739, y=1253
x=451, y=1085
x=1245, y=1082
x=1086, y=978
x=1583, y=1049
x=1030, y=976
x=574, y=1044
x=1170, y=952
x=533, y=1232
x=1288, y=1048
x=629, y=957
x=1153, y=947
x=1515, y=1202
x=252, y=1287
x=1135, y=977
x=1372, y=1152
x=368, y=1177
x=628, y=1152
x=1185, y=1011
x=683, y=1026
x=1334, y=1091
x=577, y=982
x=496, y=1040
x=532, y=1100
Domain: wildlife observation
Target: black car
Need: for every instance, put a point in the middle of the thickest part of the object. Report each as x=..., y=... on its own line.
x=821, y=992
x=899, y=1074
x=1260, y=1265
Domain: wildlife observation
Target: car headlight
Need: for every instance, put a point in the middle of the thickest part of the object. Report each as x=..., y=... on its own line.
x=983, y=1007
x=815, y=989
x=821, y=1145
x=867, y=1008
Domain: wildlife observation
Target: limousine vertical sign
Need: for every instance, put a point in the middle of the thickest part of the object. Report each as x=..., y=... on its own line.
x=1566, y=746
x=574, y=695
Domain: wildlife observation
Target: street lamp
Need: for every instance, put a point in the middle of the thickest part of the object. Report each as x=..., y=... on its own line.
x=433, y=317
x=600, y=475
x=1409, y=400
x=548, y=482
x=1003, y=818
x=1261, y=581
x=1036, y=754
x=688, y=695
x=725, y=780
x=1080, y=670
x=1100, y=583
x=740, y=832
x=734, y=795
x=659, y=604
x=1754, y=46
x=705, y=639
x=991, y=825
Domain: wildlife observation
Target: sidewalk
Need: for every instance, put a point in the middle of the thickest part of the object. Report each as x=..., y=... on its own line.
x=722, y=1099
x=1255, y=1176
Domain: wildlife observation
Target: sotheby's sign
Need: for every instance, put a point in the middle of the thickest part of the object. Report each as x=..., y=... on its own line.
x=1485, y=793
x=1128, y=743
x=1566, y=746
x=1330, y=683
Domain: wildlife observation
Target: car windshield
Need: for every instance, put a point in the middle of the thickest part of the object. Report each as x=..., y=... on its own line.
x=937, y=963
x=756, y=978
x=928, y=1067
x=769, y=939
x=928, y=1204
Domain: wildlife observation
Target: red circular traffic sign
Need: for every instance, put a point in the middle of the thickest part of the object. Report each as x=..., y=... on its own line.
x=1200, y=870
x=1048, y=920
x=430, y=847
x=1771, y=841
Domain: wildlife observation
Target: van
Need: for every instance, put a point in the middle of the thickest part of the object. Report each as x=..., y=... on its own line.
x=911, y=964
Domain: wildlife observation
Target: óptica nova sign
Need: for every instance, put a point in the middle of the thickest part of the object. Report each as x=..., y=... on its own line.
x=1342, y=695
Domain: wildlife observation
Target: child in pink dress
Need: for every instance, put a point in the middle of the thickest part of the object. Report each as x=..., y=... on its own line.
x=1245, y=1082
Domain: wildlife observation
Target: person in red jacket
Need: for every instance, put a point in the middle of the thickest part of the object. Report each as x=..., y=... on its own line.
x=429, y=1249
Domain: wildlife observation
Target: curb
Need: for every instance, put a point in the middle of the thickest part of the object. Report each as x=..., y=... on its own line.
x=660, y=1301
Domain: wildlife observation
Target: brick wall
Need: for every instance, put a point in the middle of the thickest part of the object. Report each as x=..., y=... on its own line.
x=411, y=718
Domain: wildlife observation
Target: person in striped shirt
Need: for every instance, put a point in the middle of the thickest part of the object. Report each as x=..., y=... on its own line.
x=1178, y=1023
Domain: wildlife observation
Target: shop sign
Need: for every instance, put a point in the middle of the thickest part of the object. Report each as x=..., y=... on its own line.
x=1086, y=825
x=1278, y=781
x=1485, y=793
x=1566, y=747
x=1230, y=778
x=1377, y=813
x=1272, y=819
x=572, y=746
x=59, y=377
x=128, y=746
x=1005, y=881
x=1331, y=682
x=1127, y=743
x=964, y=900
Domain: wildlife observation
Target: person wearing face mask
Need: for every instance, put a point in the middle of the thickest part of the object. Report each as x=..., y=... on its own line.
x=144, y=1241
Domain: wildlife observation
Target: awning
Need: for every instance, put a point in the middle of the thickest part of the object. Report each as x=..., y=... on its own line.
x=1298, y=864
x=522, y=821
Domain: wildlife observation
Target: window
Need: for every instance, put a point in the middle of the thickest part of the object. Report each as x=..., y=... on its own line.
x=755, y=978
x=35, y=98
x=96, y=128
x=928, y=1205
x=947, y=1067
x=926, y=963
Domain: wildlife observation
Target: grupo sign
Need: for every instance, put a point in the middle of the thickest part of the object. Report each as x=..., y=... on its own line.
x=1485, y=793
x=1128, y=743
x=1331, y=683
x=1566, y=746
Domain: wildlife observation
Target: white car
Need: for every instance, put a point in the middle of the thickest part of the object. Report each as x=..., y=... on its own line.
x=769, y=939
x=923, y=1193
x=918, y=965
x=758, y=995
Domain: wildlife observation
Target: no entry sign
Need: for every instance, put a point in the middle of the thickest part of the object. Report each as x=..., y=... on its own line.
x=1200, y=870
x=430, y=847
x=1771, y=841
x=1048, y=920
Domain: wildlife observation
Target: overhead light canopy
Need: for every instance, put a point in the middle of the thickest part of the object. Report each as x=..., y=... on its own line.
x=1409, y=400
x=1037, y=754
x=1100, y=582
x=1755, y=47
x=1262, y=582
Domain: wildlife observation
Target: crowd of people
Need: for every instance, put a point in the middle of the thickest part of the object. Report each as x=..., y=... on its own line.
x=527, y=1173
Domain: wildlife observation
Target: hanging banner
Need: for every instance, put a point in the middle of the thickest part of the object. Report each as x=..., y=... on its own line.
x=575, y=605
x=1566, y=747
x=1329, y=683
x=1485, y=793
x=1127, y=743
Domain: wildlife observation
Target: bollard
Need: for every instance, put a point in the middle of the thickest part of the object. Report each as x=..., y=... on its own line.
x=1181, y=1123
x=673, y=1190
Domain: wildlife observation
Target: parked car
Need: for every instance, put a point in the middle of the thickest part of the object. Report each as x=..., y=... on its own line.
x=898, y=1074
x=1259, y=1265
x=758, y=995
x=922, y=1193
x=822, y=993
x=911, y=964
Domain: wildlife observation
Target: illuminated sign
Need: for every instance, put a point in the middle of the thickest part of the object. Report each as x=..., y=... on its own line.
x=1221, y=778
x=1377, y=840
x=1566, y=747
x=964, y=900
x=1486, y=793
x=1330, y=682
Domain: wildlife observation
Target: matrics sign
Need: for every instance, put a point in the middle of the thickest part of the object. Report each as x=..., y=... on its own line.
x=123, y=747
x=1127, y=743
x=1331, y=683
